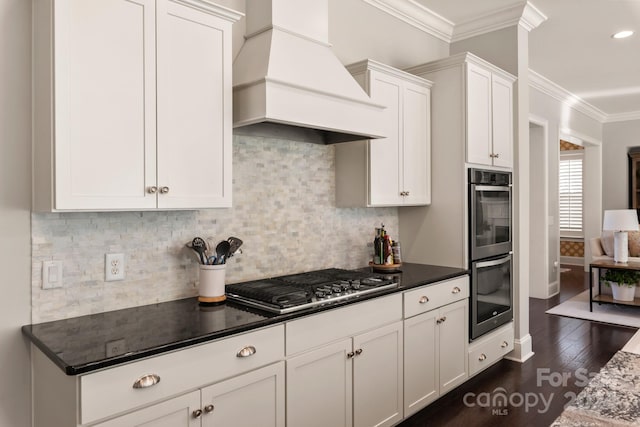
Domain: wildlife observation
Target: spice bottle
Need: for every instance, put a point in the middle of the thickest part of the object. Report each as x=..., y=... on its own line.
x=388, y=251
x=397, y=257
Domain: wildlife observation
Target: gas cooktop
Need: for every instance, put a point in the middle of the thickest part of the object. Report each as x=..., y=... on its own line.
x=295, y=292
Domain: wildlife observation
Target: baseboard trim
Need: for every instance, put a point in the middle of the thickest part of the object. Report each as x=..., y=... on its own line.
x=522, y=350
x=571, y=260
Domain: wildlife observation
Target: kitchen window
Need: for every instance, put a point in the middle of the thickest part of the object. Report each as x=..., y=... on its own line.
x=571, y=194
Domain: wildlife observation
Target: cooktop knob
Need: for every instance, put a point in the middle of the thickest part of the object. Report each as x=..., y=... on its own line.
x=355, y=284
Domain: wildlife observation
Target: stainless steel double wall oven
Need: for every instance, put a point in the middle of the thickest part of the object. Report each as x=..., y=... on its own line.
x=490, y=250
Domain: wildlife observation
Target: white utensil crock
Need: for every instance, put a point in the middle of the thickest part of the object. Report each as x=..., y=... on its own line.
x=211, y=287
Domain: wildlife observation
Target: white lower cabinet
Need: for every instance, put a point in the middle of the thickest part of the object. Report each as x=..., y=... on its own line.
x=320, y=387
x=237, y=381
x=354, y=382
x=344, y=366
x=252, y=399
x=177, y=412
x=490, y=348
x=377, y=377
x=435, y=345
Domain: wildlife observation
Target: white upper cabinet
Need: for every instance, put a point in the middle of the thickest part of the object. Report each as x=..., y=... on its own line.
x=132, y=105
x=502, y=120
x=486, y=114
x=391, y=171
x=489, y=117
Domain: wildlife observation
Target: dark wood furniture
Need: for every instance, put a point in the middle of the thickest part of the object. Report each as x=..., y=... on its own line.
x=608, y=299
x=634, y=178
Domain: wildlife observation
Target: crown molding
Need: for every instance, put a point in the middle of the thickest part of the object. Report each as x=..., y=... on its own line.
x=417, y=16
x=557, y=92
x=623, y=117
x=532, y=17
x=526, y=15
x=426, y=20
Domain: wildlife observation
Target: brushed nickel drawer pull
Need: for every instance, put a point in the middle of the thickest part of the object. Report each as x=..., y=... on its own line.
x=197, y=413
x=247, y=351
x=455, y=290
x=504, y=344
x=358, y=352
x=482, y=357
x=164, y=190
x=423, y=299
x=146, y=381
x=208, y=409
x=152, y=190
x=350, y=354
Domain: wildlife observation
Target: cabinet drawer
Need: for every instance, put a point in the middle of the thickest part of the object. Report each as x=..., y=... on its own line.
x=433, y=296
x=323, y=328
x=487, y=350
x=112, y=391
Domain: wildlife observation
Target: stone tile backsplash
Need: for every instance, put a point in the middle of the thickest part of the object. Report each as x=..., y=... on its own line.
x=283, y=210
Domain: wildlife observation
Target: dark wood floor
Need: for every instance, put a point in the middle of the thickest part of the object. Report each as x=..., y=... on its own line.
x=563, y=347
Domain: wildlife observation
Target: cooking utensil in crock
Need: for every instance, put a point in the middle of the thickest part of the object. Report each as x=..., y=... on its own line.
x=222, y=251
x=235, y=244
x=198, y=244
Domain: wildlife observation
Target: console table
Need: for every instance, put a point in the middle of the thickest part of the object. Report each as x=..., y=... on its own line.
x=608, y=299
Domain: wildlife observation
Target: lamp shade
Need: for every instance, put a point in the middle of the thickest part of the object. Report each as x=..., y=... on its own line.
x=620, y=220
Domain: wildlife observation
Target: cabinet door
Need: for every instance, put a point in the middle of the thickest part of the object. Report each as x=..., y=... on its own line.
x=384, y=153
x=194, y=108
x=479, y=147
x=319, y=387
x=377, y=377
x=105, y=116
x=421, y=362
x=177, y=412
x=252, y=399
x=416, y=145
x=453, y=338
x=502, y=121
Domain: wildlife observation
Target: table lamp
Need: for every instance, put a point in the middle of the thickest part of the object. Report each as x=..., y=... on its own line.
x=620, y=221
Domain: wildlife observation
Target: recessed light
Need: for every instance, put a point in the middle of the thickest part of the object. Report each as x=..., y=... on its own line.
x=622, y=34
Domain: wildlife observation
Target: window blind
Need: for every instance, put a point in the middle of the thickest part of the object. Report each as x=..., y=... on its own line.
x=571, y=193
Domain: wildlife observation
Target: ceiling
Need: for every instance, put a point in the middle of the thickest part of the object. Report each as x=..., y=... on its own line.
x=573, y=48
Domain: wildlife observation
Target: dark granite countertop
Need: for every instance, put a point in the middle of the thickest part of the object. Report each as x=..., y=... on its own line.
x=79, y=345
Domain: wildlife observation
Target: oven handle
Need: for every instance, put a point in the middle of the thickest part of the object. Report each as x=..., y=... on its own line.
x=493, y=262
x=490, y=188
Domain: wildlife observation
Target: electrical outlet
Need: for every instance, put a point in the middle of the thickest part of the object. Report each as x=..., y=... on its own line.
x=115, y=347
x=113, y=267
x=51, y=274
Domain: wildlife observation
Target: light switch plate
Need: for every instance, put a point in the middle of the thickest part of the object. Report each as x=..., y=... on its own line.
x=51, y=274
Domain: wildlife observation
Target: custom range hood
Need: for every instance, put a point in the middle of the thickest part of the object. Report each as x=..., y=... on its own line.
x=288, y=84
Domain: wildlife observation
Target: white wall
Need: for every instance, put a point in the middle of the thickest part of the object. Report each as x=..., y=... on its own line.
x=568, y=122
x=15, y=203
x=538, y=247
x=358, y=31
x=618, y=137
x=498, y=47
